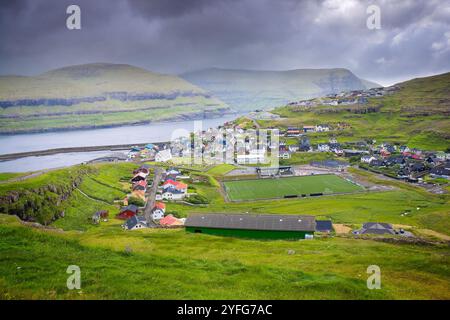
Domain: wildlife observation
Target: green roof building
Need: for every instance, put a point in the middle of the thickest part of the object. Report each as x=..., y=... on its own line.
x=261, y=226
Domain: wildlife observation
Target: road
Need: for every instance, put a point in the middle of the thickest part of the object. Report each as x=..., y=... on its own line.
x=117, y=147
x=151, y=193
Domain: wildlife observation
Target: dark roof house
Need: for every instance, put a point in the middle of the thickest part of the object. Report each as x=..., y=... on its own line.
x=376, y=228
x=262, y=226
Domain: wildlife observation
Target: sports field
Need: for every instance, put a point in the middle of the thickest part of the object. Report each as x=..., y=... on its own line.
x=280, y=187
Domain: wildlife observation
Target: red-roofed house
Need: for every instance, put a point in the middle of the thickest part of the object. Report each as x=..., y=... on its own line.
x=170, y=220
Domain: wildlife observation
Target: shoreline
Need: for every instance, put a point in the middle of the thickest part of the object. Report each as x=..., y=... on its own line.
x=178, y=118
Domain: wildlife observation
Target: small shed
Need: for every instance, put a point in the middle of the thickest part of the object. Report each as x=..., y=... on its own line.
x=261, y=226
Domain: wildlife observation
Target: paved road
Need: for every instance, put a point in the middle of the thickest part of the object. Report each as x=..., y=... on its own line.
x=151, y=193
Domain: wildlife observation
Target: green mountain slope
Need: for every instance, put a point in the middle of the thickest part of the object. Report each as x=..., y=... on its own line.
x=96, y=95
x=248, y=90
x=416, y=113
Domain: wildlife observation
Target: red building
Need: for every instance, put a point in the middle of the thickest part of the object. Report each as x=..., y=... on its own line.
x=127, y=212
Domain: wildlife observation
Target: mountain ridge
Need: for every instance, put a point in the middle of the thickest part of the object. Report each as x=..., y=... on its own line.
x=250, y=89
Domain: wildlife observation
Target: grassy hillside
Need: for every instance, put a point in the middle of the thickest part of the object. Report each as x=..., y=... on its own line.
x=172, y=264
x=98, y=95
x=417, y=114
x=249, y=90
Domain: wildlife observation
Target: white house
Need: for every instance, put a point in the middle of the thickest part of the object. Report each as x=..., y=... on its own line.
x=157, y=214
x=323, y=147
x=135, y=222
x=173, y=194
x=322, y=128
x=367, y=159
x=163, y=156
x=293, y=148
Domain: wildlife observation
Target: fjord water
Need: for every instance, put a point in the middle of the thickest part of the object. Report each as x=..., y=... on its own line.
x=154, y=132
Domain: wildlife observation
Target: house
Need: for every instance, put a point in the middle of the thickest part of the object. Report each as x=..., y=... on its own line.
x=385, y=153
x=158, y=211
x=135, y=222
x=140, y=185
x=261, y=226
x=293, y=148
x=309, y=128
x=292, y=132
x=161, y=206
x=324, y=147
x=324, y=226
x=173, y=172
x=163, y=156
x=139, y=177
x=376, y=228
x=143, y=169
x=180, y=186
x=157, y=214
x=322, y=128
x=440, y=172
x=127, y=212
x=172, y=194
x=367, y=159
x=171, y=221
x=377, y=163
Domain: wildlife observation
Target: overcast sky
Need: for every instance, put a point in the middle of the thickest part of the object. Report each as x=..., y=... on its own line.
x=176, y=36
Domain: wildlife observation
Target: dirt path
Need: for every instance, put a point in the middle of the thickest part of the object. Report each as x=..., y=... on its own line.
x=89, y=197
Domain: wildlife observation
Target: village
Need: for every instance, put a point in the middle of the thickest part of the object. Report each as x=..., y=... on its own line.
x=156, y=185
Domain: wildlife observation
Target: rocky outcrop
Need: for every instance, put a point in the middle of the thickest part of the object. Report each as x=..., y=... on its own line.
x=45, y=203
x=120, y=96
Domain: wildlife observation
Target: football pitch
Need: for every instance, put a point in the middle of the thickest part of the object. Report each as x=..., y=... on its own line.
x=291, y=186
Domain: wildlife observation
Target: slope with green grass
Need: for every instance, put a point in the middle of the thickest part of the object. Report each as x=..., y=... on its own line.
x=418, y=114
x=172, y=264
x=98, y=95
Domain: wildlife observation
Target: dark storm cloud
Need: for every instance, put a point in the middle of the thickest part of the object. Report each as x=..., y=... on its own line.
x=176, y=36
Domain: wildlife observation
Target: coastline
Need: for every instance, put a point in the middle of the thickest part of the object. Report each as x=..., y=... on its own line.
x=181, y=117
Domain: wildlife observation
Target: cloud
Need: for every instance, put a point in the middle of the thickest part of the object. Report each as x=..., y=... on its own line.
x=177, y=36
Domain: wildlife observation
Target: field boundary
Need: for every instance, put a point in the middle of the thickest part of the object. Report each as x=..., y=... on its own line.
x=227, y=198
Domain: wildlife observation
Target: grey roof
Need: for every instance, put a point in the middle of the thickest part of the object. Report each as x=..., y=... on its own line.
x=253, y=222
x=377, y=231
x=376, y=225
x=130, y=207
x=324, y=225
x=134, y=220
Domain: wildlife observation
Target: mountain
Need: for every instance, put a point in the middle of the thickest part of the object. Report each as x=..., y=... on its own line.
x=414, y=112
x=98, y=95
x=248, y=89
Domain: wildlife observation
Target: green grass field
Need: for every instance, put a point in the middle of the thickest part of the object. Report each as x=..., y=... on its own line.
x=278, y=188
x=172, y=264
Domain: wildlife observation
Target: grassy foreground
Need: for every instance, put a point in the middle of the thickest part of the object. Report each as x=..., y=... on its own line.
x=171, y=264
